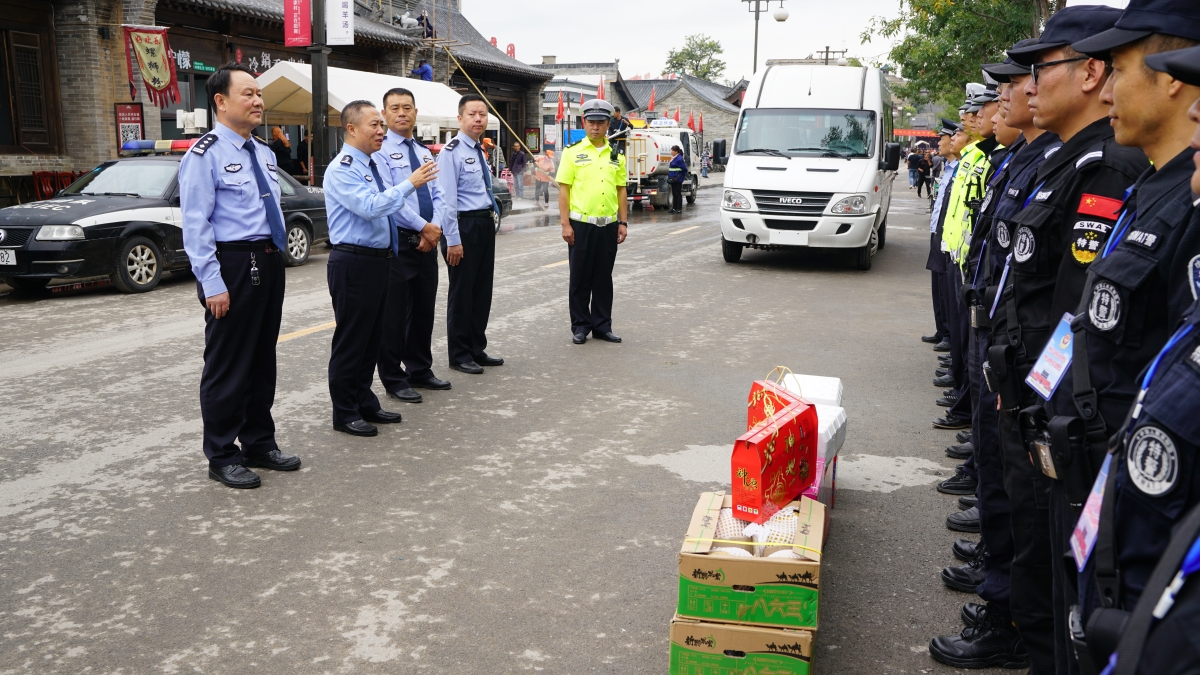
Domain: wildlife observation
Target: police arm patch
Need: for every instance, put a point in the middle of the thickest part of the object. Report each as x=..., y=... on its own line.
x=1152, y=461
x=1104, y=309
x=1089, y=235
x=1098, y=206
x=1193, y=276
x=1146, y=239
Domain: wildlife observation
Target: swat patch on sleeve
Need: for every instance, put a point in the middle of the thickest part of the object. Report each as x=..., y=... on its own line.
x=1014, y=192
x=1147, y=239
x=204, y=143
x=1043, y=195
x=1152, y=462
x=1088, y=236
x=1090, y=157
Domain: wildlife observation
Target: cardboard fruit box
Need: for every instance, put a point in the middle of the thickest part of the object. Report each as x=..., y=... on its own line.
x=783, y=592
x=699, y=647
x=774, y=462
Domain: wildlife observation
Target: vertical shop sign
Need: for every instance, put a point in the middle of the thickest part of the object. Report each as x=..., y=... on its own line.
x=297, y=23
x=339, y=22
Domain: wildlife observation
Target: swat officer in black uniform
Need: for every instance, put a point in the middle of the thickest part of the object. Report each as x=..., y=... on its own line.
x=1076, y=192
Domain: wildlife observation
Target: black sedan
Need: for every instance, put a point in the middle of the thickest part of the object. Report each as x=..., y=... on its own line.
x=122, y=220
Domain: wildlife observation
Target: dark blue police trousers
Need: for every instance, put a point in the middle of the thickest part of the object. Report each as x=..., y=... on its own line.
x=358, y=286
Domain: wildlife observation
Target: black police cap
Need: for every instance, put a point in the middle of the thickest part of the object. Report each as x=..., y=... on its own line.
x=1068, y=26
x=1180, y=18
x=1181, y=64
x=1004, y=71
x=948, y=128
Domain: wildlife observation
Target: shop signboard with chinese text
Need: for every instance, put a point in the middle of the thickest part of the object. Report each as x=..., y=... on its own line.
x=339, y=22
x=130, y=123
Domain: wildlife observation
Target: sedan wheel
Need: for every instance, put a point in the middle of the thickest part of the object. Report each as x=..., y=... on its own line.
x=298, y=246
x=139, y=266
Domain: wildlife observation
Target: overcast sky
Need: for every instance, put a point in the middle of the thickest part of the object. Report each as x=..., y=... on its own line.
x=640, y=32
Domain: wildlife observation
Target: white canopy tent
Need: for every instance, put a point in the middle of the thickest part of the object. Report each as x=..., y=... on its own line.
x=287, y=94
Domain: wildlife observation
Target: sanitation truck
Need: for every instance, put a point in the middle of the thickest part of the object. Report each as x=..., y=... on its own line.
x=648, y=159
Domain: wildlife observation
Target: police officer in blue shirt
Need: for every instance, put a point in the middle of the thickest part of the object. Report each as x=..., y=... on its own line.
x=469, y=245
x=233, y=233
x=359, y=198
x=405, y=357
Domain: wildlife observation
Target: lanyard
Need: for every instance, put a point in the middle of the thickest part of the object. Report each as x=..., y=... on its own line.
x=1118, y=232
x=979, y=265
x=1031, y=194
x=1001, y=170
x=1175, y=339
x=1000, y=289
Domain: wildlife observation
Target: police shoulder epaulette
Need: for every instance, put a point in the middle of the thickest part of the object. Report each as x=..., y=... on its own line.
x=1088, y=158
x=451, y=145
x=202, y=145
x=579, y=142
x=258, y=139
x=347, y=160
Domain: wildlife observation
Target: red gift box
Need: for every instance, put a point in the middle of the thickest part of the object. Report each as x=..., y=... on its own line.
x=774, y=462
x=767, y=398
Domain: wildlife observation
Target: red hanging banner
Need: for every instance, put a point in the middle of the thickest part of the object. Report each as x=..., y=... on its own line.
x=297, y=23
x=148, y=44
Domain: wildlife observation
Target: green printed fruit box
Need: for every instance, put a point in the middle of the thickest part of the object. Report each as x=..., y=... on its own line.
x=702, y=648
x=781, y=592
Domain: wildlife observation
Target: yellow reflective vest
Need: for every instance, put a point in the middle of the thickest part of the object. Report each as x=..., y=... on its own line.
x=969, y=184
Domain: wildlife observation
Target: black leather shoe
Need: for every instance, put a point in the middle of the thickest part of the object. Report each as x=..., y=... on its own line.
x=579, y=338
x=945, y=359
x=965, y=577
x=947, y=401
x=607, y=337
x=959, y=484
x=973, y=614
x=468, y=367
x=950, y=392
x=357, y=428
x=485, y=360
x=940, y=372
x=961, y=451
x=273, y=460
x=946, y=380
x=942, y=346
x=965, y=549
x=431, y=383
x=991, y=643
x=964, y=521
x=967, y=501
x=963, y=436
x=235, y=476
x=408, y=395
x=951, y=422
x=382, y=417
x=931, y=339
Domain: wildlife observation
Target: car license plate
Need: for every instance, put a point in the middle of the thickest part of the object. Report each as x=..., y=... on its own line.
x=8, y=256
x=785, y=238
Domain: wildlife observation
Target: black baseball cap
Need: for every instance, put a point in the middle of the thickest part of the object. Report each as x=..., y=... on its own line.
x=1003, y=72
x=948, y=128
x=1181, y=64
x=1141, y=18
x=1068, y=26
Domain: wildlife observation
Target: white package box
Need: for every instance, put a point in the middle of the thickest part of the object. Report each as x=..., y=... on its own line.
x=814, y=388
x=831, y=431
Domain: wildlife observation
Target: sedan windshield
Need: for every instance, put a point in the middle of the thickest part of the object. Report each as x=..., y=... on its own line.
x=805, y=132
x=147, y=178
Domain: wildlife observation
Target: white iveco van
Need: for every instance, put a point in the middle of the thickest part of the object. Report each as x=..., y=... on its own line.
x=811, y=165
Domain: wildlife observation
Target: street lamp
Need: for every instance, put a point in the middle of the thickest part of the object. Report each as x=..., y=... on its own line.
x=756, y=6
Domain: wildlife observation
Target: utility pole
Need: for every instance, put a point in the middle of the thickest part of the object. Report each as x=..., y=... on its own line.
x=319, y=57
x=828, y=53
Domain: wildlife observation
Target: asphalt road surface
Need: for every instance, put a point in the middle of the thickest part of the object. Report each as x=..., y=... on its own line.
x=527, y=520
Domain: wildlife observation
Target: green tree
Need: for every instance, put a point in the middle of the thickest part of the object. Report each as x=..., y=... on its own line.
x=697, y=58
x=941, y=44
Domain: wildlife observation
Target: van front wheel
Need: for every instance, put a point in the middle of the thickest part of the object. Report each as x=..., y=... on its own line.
x=731, y=250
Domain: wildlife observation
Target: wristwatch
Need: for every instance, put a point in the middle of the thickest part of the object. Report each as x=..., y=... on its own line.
x=623, y=222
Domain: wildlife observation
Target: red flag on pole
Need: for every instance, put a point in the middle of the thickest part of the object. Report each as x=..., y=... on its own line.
x=701, y=129
x=600, y=91
x=559, y=115
x=691, y=120
x=650, y=107
x=676, y=113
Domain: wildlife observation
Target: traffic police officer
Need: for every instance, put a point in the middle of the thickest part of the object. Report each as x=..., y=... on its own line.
x=233, y=233
x=469, y=242
x=592, y=209
x=359, y=199
x=1076, y=193
x=405, y=356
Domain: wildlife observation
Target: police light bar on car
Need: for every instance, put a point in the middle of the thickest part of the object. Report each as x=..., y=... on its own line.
x=152, y=147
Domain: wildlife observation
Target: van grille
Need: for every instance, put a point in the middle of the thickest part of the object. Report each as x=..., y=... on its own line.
x=791, y=203
x=794, y=225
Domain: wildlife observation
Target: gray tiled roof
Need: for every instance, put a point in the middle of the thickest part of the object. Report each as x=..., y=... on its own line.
x=273, y=10
x=711, y=93
x=640, y=90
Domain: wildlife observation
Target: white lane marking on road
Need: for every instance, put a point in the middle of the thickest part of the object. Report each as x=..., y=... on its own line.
x=898, y=227
x=872, y=473
x=307, y=331
x=686, y=229
x=699, y=463
x=556, y=264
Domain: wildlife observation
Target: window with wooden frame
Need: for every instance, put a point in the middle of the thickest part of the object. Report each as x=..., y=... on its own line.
x=29, y=119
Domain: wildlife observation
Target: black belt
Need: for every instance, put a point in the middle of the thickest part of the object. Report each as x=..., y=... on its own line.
x=477, y=213
x=363, y=250
x=257, y=246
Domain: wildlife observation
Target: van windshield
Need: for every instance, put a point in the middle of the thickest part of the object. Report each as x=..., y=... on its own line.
x=807, y=132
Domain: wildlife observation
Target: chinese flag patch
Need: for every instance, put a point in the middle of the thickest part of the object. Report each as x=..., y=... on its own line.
x=1101, y=207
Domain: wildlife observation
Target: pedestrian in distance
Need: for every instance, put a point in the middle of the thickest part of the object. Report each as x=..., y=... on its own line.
x=913, y=174
x=233, y=233
x=282, y=149
x=676, y=173
x=469, y=241
x=923, y=174
x=405, y=355
x=543, y=176
x=359, y=198
x=423, y=70
x=517, y=163
x=592, y=208
x=302, y=153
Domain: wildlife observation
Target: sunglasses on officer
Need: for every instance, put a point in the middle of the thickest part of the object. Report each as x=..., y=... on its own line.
x=1037, y=68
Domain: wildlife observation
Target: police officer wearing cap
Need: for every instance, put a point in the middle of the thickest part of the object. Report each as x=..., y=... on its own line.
x=469, y=241
x=405, y=354
x=1055, y=236
x=592, y=209
x=233, y=233
x=359, y=197
x=936, y=262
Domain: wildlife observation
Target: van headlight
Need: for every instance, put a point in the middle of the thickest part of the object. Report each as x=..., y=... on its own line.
x=854, y=204
x=59, y=233
x=735, y=200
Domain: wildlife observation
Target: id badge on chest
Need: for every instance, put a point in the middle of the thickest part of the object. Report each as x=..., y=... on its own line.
x=1054, y=360
x=1083, y=539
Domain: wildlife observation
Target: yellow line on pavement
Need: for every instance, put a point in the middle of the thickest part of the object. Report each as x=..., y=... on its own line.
x=686, y=229
x=560, y=262
x=307, y=331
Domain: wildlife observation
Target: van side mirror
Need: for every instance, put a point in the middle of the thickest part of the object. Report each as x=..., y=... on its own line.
x=891, y=157
x=724, y=159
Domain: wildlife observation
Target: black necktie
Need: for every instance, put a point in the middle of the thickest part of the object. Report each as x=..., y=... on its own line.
x=391, y=229
x=424, y=198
